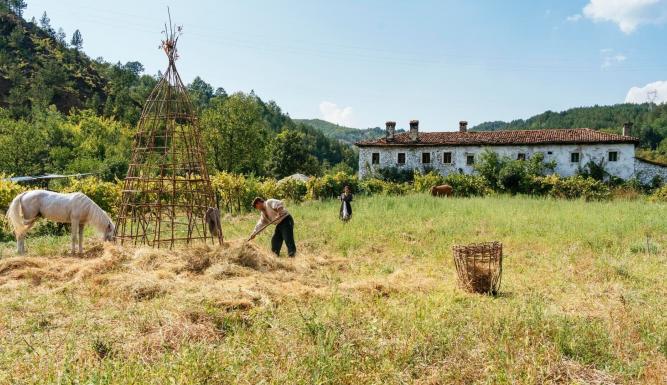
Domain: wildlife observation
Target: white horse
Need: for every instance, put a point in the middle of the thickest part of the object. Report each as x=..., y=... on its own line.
x=75, y=208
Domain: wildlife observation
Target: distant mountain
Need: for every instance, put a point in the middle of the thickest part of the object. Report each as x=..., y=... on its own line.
x=595, y=117
x=344, y=134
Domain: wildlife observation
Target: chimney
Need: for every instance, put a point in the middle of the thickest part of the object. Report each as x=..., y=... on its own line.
x=463, y=126
x=627, y=128
x=414, y=130
x=391, y=130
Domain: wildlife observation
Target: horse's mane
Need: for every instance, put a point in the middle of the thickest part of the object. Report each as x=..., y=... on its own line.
x=96, y=216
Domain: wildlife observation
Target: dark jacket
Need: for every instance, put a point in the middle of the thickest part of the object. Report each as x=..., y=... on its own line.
x=345, y=203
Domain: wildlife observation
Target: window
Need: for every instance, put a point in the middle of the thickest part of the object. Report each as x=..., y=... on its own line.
x=375, y=158
x=550, y=152
x=521, y=156
x=470, y=159
x=401, y=158
x=613, y=156
x=447, y=157
x=426, y=157
x=574, y=157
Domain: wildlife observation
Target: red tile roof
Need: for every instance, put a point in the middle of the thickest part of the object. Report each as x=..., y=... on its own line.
x=500, y=138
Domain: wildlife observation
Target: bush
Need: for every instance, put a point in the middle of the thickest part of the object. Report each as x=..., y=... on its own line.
x=513, y=176
x=8, y=191
x=659, y=195
x=292, y=189
x=573, y=187
x=235, y=192
x=377, y=186
x=372, y=186
x=107, y=195
x=424, y=182
x=468, y=185
x=395, y=174
x=330, y=186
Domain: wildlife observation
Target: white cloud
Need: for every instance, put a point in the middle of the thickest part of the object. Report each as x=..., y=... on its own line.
x=574, y=18
x=609, y=57
x=656, y=92
x=628, y=14
x=331, y=112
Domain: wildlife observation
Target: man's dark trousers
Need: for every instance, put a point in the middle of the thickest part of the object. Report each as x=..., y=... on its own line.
x=284, y=231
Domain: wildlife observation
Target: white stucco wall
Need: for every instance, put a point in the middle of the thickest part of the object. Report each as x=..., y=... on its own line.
x=624, y=167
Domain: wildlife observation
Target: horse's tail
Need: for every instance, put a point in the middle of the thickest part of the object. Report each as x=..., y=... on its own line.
x=15, y=216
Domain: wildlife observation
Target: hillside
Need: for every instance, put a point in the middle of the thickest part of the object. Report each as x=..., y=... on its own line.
x=347, y=135
x=37, y=70
x=98, y=104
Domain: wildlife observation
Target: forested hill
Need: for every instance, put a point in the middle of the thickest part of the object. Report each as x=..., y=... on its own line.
x=650, y=121
x=347, y=135
x=61, y=111
x=37, y=70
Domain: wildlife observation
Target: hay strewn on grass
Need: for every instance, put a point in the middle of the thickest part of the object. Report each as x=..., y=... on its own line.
x=144, y=273
x=371, y=301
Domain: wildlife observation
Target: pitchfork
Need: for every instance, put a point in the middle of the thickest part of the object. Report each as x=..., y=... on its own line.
x=280, y=218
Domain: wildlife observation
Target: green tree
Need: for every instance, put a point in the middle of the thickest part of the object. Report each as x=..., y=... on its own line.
x=288, y=154
x=45, y=24
x=77, y=40
x=236, y=134
x=200, y=92
x=16, y=6
x=24, y=147
x=61, y=37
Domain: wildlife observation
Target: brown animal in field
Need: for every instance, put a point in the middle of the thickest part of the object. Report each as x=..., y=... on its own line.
x=444, y=190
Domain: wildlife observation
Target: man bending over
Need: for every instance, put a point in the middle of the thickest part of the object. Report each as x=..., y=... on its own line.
x=272, y=211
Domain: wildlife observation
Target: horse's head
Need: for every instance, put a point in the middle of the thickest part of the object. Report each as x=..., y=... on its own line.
x=110, y=232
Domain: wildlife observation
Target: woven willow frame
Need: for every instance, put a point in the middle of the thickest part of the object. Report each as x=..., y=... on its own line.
x=167, y=197
x=479, y=266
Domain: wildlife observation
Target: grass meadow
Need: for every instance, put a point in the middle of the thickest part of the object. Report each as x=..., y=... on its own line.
x=375, y=301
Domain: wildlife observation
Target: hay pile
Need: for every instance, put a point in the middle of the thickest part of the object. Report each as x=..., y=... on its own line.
x=235, y=274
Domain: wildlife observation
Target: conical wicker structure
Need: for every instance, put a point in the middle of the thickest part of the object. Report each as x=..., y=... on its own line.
x=167, y=196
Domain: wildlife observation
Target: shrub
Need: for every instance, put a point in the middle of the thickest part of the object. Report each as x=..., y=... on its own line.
x=330, y=186
x=372, y=186
x=107, y=195
x=292, y=189
x=375, y=186
x=267, y=188
x=489, y=165
x=468, y=185
x=659, y=195
x=573, y=187
x=395, y=174
x=8, y=191
x=236, y=192
x=424, y=182
x=513, y=176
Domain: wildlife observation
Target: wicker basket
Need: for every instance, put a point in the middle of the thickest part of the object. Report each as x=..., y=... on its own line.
x=479, y=266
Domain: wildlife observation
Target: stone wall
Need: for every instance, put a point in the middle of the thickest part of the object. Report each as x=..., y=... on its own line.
x=623, y=167
x=646, y=171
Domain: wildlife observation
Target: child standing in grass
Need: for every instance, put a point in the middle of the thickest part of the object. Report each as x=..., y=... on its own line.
x=345, y=206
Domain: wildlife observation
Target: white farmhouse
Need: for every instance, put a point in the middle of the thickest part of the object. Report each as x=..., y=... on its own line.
x=448, y=152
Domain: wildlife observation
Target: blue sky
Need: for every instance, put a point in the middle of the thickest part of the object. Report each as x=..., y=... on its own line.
x=361, y=63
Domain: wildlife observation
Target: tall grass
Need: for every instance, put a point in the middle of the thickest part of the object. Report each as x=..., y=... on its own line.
x=583, y=300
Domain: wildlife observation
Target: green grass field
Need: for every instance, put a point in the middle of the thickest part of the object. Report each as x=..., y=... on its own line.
x=583, y=301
